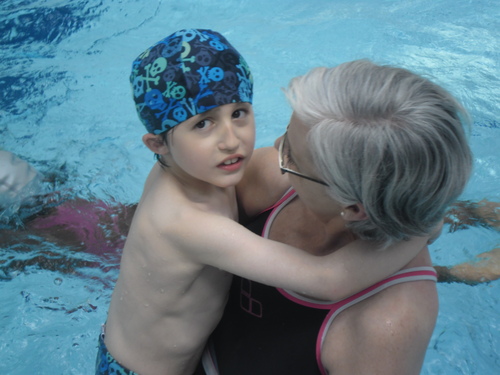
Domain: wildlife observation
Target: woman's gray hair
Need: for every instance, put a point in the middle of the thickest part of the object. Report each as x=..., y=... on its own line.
x=388, y=139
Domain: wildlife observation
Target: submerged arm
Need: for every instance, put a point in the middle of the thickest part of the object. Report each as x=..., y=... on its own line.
x=486, y=268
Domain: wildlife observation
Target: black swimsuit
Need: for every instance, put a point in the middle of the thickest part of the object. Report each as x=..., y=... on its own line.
x=271, y=331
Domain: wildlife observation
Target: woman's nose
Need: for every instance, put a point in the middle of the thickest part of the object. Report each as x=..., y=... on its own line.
x=278, y=141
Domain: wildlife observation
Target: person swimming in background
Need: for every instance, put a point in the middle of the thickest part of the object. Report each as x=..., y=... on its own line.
x=32, y=205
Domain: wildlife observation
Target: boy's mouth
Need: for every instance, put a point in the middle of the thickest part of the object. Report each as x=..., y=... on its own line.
x=232, y=164
x=231, y=161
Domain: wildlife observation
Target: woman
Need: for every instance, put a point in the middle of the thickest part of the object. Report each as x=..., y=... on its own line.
x=372, y=152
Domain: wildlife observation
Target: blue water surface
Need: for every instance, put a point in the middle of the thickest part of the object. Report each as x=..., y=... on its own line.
x=65, y=104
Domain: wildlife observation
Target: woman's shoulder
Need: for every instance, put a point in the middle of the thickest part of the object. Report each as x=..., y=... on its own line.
x=399, y=319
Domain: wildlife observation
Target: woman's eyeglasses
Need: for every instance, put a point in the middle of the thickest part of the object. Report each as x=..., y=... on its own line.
x=283, y=160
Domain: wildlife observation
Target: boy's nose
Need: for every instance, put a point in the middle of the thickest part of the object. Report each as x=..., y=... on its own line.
x=229, y=140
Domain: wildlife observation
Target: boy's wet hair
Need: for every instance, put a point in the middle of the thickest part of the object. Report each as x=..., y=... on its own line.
x=185, y=74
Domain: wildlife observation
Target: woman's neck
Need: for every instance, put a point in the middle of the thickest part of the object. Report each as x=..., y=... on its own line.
x=297, y=226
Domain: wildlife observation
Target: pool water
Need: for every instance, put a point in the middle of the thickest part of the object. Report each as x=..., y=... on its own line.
x=65, y=106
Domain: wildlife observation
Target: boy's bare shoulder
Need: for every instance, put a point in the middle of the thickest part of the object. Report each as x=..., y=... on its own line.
x=166, y=212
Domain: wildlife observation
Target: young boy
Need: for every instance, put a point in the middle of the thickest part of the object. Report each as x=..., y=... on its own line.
x=193, y=92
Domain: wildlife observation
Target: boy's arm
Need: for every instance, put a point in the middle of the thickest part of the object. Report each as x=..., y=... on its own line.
x=262, y=184
x=222, y=243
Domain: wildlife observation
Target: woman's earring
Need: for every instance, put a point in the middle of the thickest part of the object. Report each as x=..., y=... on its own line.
x=342, y=213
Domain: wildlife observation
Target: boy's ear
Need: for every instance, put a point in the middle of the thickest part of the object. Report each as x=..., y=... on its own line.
x=355, y=212
x=155, y=143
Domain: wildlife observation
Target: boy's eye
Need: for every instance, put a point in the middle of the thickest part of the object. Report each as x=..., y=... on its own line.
x=239, y=113
x=203, y=124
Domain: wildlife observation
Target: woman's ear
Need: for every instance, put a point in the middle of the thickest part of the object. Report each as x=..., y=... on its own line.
x=155, y=143
x=355, y=212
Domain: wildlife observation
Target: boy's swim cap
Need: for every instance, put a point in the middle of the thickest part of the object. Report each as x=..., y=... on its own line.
x=185, y=74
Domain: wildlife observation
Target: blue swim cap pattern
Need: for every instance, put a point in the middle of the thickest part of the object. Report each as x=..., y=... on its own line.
x=185, y=74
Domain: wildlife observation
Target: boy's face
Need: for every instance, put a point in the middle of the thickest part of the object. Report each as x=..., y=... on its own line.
x=214, y=146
